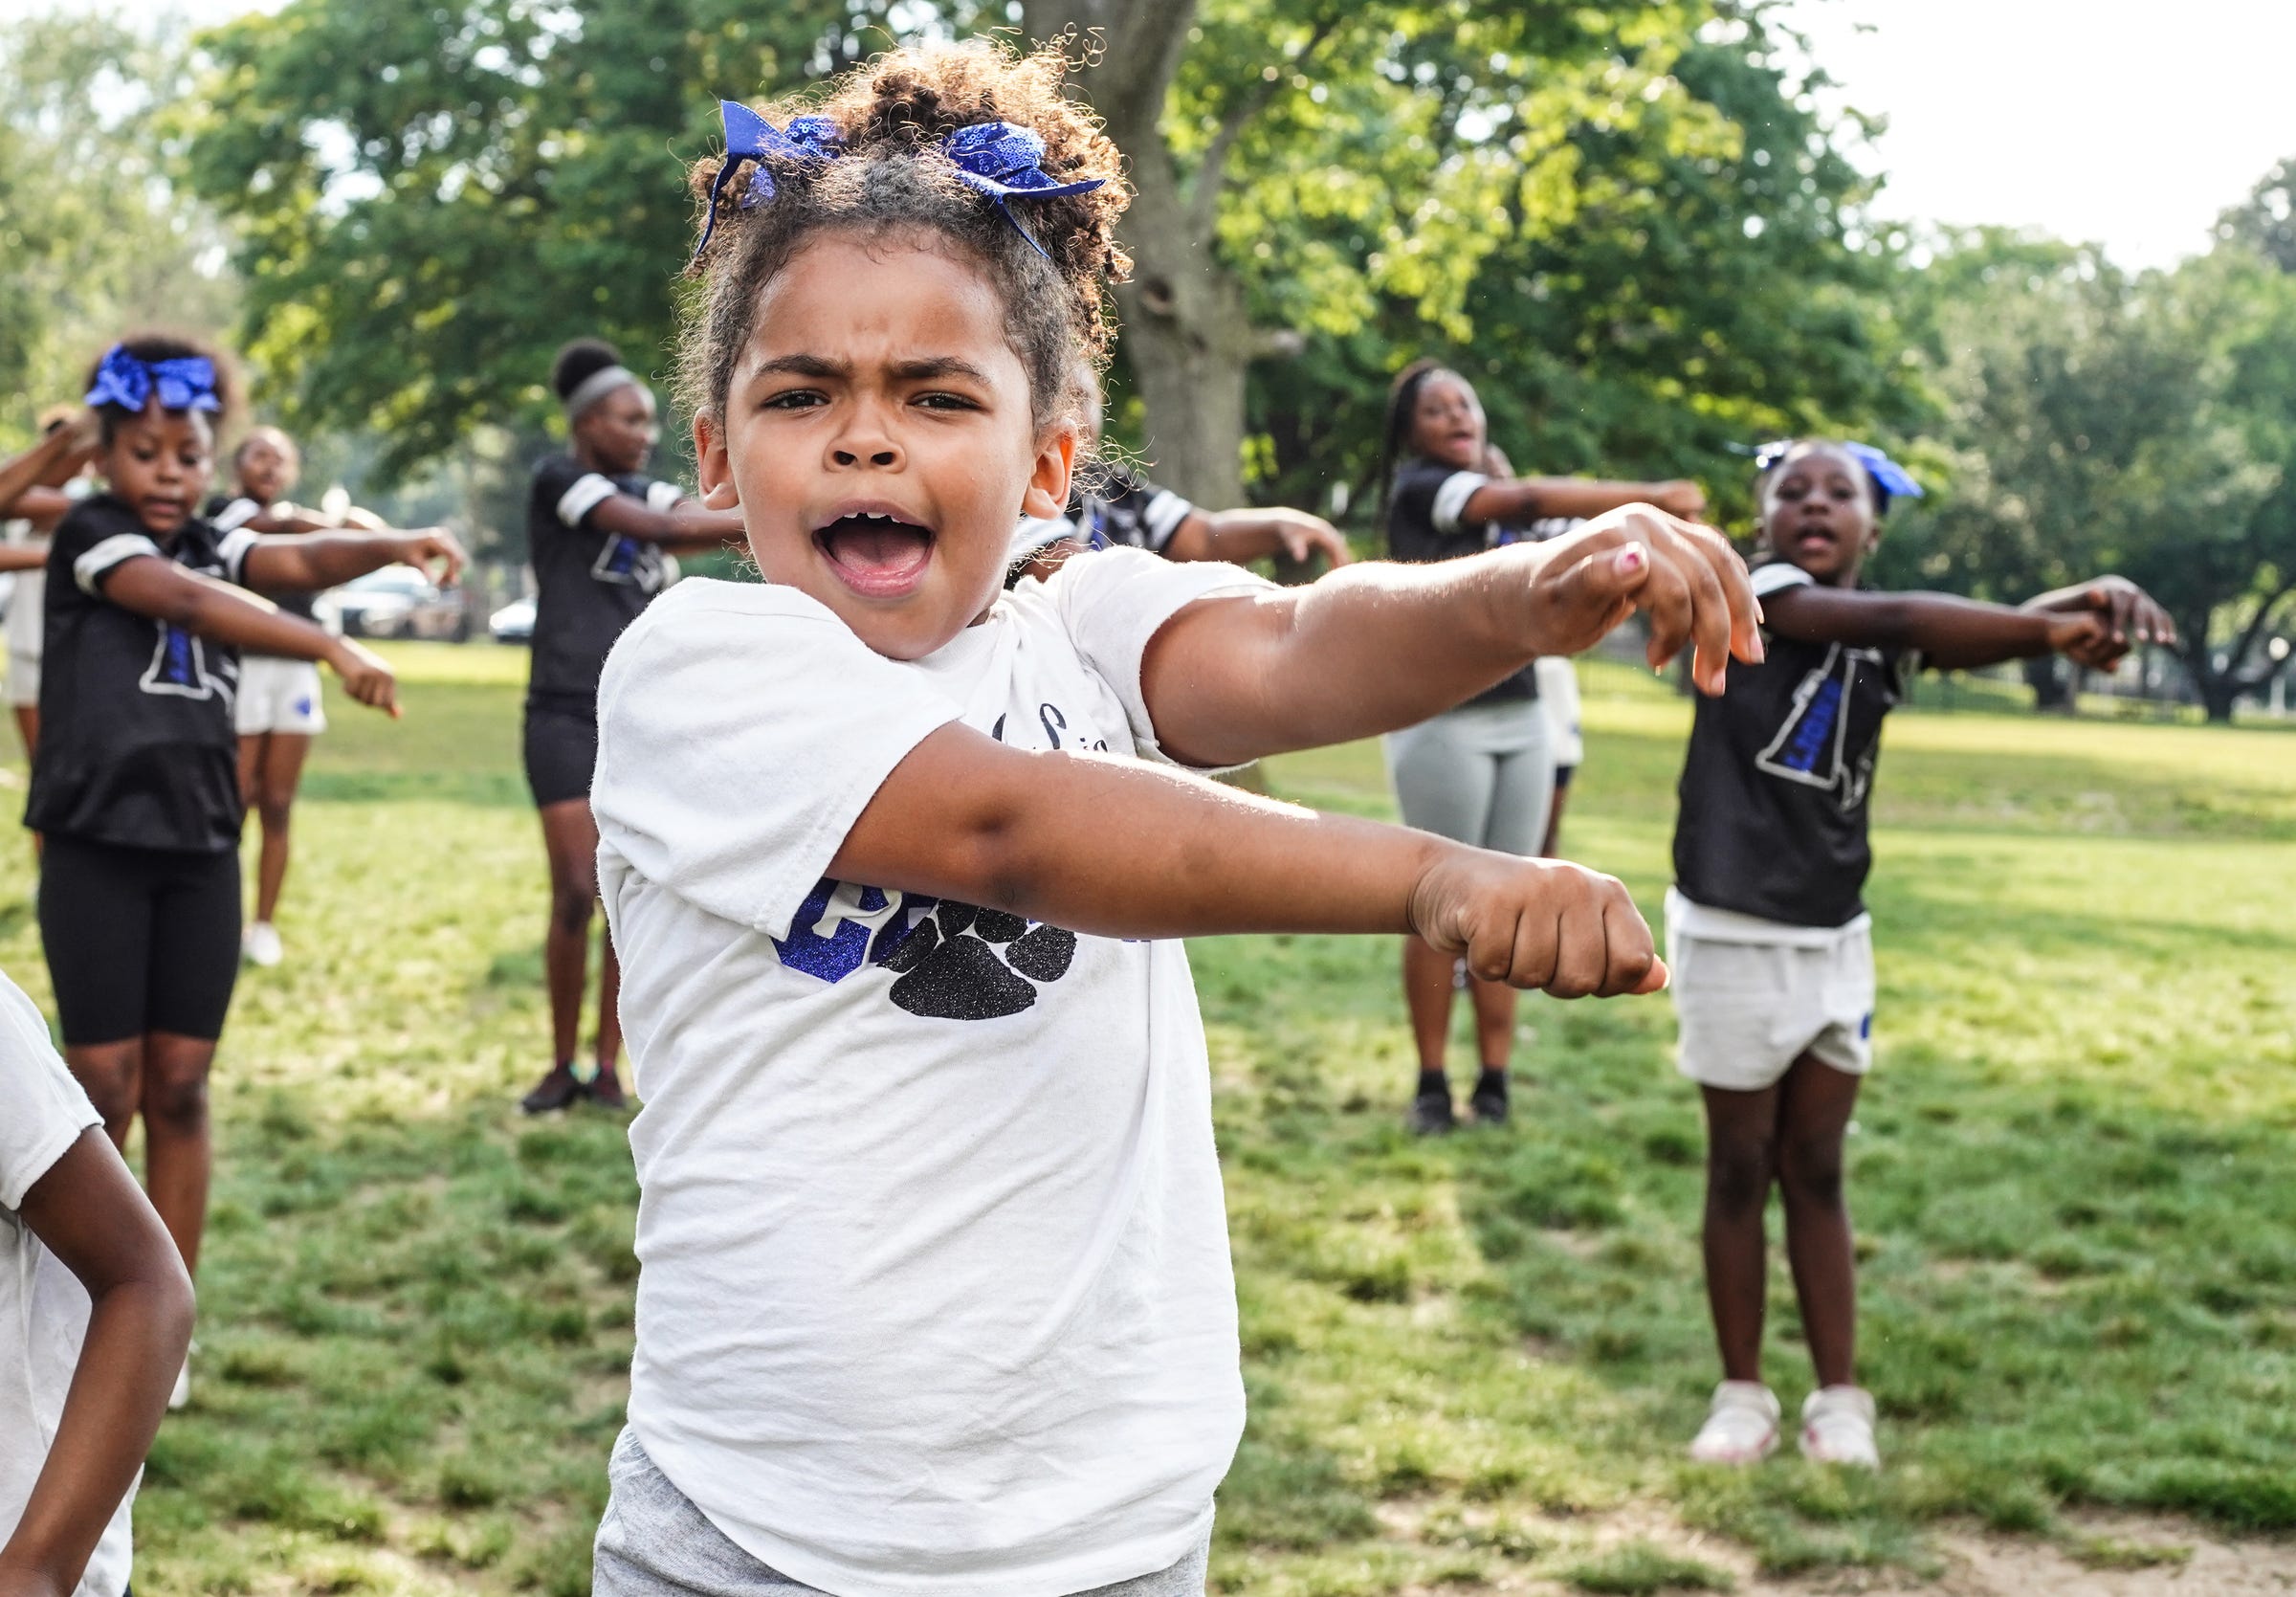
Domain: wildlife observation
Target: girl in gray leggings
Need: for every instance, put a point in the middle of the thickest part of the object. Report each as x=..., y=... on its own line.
x=1483, y=773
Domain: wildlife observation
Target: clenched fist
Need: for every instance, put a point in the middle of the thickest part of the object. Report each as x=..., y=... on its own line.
x=1542, y=923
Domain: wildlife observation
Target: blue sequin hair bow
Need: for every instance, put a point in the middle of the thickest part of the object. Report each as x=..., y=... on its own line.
x=1890, y=481
x=184, y=383
x=994, y=158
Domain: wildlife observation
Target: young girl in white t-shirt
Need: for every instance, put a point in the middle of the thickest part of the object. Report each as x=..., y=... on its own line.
x=935, y=1297
x=95, y=1314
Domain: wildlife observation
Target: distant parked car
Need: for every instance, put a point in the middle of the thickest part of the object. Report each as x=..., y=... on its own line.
x=512, y=623
x=398, y=601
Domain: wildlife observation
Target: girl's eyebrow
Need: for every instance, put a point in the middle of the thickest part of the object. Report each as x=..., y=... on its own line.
x=924, y=369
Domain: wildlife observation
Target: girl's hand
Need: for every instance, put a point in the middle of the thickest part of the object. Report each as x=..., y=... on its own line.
x=2087, y=640
x=1306, y=535
x=1686, y=499
x=1542, y=923
x=2131, y=615
x=422, y=548
x=1683, y=576
x=365, y=675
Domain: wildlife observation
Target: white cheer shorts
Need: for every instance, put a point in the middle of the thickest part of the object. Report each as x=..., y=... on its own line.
x=1752, y=996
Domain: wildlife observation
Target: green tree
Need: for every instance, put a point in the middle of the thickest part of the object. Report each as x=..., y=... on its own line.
x=1582, y=194
x=97, y=239
x=435, y=194
x=1701, y=284
x=2092, y=420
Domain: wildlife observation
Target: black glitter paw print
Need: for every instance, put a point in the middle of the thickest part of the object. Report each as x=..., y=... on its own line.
x=962, y=963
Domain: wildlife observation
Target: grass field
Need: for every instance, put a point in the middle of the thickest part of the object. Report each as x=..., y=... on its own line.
x=1471, y=1363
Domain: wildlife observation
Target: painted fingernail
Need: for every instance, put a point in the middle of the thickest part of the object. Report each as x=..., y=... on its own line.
x=1631, y=558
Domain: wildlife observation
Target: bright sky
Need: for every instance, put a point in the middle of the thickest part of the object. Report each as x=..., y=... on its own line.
x=2128, y=122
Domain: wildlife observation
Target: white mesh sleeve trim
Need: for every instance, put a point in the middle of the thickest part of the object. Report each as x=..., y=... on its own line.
x=589, y=493
x=1777, y=577
x=236, y=514
x=1450, y=499
x=1166, y=511
x=233, y=552
x=96, y=561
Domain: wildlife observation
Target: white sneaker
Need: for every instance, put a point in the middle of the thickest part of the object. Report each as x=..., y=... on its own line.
x=1741, y=1427
x=261, y=944
x=1837, y=1428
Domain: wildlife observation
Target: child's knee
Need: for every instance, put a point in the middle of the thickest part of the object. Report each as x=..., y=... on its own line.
x=1738, y=1172
x=1810, y=1171
x=177, y=1101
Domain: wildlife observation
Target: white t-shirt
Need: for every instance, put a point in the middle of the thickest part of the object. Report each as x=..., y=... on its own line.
x=43, y=1308
x=26, y=594
x=934, y=1298
x=1558, y=697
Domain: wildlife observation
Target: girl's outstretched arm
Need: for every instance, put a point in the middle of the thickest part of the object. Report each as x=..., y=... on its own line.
x=967, y=817
x=1523, y=499
x=46, y=464
x=1242, y=536
x=165, y=591
x=1949, y=634
x=685, y=528
x=302, y=561
x=88, y=1211
x=1377, y=646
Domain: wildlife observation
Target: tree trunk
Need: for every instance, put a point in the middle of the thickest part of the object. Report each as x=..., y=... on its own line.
x=1190, y=341
x=2052, y=693
x=2218, y=694
x=1186, y=326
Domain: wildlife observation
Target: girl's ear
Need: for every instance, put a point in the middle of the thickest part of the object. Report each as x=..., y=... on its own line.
x=1048, y=494
x=716, y=467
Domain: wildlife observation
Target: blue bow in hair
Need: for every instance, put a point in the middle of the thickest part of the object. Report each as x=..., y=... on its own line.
x=1002, y=162
x=184, y=383
x=1893, y=479
x=750, y=136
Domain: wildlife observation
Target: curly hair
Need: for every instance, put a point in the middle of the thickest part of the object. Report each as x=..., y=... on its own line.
x=890, y=178
x=151, y=348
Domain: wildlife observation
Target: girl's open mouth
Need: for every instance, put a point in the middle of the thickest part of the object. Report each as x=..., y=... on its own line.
x=877, y=555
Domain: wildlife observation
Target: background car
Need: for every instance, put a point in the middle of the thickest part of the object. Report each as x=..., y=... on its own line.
x=397, y=601
x=512, y=623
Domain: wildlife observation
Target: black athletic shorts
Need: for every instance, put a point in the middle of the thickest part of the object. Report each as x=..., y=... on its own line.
x=1562, y=777
x=562, y=750
x=139, y=939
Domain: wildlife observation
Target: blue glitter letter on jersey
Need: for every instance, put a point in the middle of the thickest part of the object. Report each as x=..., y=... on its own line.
x=175, y=654
x=1809, y=738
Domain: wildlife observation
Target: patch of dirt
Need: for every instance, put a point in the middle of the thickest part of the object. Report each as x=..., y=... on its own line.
x=2096, y=1555
x=2192, y=1563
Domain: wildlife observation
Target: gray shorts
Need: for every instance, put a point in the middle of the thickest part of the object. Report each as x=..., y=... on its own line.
x=654, y=1543
x=1482, y=774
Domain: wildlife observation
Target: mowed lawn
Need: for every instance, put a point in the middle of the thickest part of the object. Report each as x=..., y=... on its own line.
x=1471, y=1363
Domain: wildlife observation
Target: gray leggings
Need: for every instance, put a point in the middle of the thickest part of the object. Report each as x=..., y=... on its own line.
x=654, y=1543
x=1482, y=774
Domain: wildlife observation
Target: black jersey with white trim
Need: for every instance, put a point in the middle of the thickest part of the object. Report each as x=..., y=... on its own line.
x=1129, y=510
x=230, y=515
x=589, y=583
x=1774, y=790
x=136, y=741
x=1424, y=526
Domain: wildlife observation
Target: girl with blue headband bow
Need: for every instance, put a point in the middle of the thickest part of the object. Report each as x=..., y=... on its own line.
x=936, y=1295
x=137, y=790
x=1767, y=935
